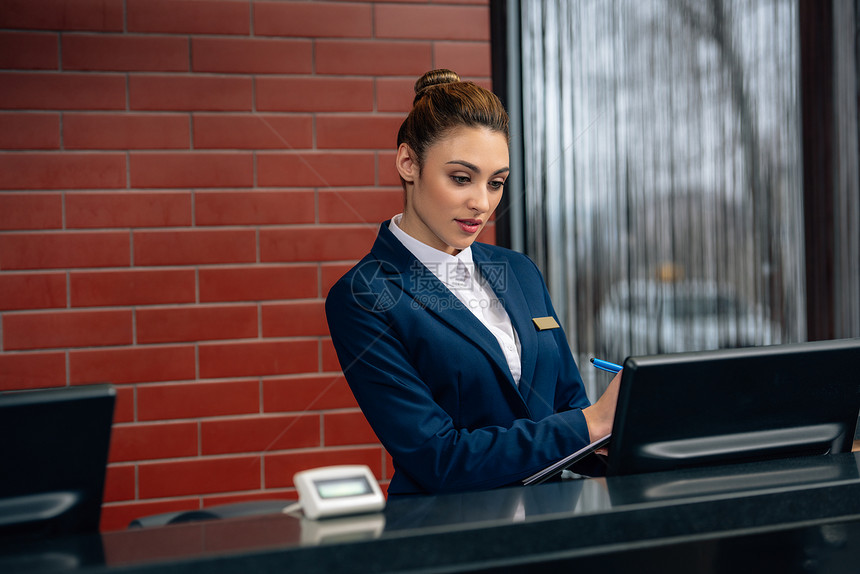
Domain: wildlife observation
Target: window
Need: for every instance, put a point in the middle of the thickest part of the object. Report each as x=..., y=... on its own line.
x=662, y=185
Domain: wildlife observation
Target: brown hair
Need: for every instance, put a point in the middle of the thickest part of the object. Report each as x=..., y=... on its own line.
x=444, y=102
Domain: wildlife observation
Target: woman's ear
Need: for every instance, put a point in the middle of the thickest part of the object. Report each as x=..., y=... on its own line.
x=406, y=164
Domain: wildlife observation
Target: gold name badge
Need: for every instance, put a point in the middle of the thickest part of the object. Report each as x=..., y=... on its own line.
x=544, y=323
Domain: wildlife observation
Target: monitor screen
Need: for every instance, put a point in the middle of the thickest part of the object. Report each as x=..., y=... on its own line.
x=54, y=451
x=733, y=405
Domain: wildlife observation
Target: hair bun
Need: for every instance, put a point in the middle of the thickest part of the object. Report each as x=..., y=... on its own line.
x=435, y=78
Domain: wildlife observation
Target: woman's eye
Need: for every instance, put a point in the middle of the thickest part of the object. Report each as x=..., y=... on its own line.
x=496, y=185
x=460, y=179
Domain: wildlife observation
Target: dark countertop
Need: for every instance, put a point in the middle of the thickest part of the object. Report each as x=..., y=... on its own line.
x=801, y=513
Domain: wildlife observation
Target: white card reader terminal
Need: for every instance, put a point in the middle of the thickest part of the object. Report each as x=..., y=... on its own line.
x=337, y=491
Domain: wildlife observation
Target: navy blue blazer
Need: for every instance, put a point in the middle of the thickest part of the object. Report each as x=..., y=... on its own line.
x=433, y=381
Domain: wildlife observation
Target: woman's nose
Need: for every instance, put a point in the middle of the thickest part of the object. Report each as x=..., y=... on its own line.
x=479, y=201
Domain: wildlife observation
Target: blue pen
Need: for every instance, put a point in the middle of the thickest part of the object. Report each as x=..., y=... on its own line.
x=606, y=365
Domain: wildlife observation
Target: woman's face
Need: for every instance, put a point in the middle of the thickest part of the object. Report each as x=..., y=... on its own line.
x=458, y=189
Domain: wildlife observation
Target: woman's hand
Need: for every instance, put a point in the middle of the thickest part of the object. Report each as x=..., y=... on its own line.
x=601, y=414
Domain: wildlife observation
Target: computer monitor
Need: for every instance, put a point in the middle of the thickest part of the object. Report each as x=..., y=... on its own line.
x=733, y=405
x=53, y=456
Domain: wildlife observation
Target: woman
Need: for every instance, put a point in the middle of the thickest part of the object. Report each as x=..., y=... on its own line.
x=452, y=348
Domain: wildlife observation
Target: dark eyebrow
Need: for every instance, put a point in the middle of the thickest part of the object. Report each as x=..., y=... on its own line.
x=475, y=168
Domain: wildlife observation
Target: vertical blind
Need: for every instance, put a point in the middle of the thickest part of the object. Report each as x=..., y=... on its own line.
x=846, y=195
x=662, y=172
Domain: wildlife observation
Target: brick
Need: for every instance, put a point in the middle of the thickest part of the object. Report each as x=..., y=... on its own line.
x=466, y=58
x=359, y=206
x=254, y=207
x=313, y=19
x=32, y=291
x=194, y=246
x=198, y=476
x=189, y=169
x=59, y=329
x=347, y=428
x=127, y=209
x=251, y=56
x=153, y=441
x=252, y=131
x=117, y=516
x=330, y=273
x=389, y=468
x=316, y=243
x=487, y=83
x=61, y=250
x=394, y=95
x=259, y=358
x=263, y=283
x=125, y=53
x=62, y=171
x=126, y=131
x=22, y=131
x=66, y=91
x=314, y=94
x=198, y=323
x=377, y=58
x=132, y=365
x=314, y=169
x=259, y=434
x=119, y=482
x=432, y=22
x=131, y=287
x=29, y=51
x=307, y=393
x=95, y=15
x=294, y=319
x=488, y=234
x=357, y=132
x=280, y=467
x=264, y=528
x=329, y=358
x=124, y=408
x=386, y=173
x=189, y=16
x=190, y=93
x=31, y=211
x=19, y=371
x=197, y=399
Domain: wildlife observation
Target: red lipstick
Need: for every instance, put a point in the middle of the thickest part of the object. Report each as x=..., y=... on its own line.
x=469, y=225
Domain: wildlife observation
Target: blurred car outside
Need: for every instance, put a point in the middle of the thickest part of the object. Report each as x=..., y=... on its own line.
x=650, y=317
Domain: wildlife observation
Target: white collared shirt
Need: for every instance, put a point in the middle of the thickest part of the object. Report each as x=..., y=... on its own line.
x=460, y=275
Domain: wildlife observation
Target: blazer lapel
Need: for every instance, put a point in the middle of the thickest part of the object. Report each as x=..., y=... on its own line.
x=507, y=288
x=431, y=295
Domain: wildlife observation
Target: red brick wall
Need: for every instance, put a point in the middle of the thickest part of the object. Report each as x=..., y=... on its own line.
x=181, y=181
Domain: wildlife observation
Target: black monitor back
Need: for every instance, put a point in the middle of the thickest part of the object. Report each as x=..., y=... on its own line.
x=53, y=455
x=734, y=405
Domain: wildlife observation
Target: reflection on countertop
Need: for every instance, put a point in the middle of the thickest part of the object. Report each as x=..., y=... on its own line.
x=515, y=523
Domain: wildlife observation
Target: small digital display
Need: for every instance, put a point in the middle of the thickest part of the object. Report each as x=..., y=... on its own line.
x=343, y=487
